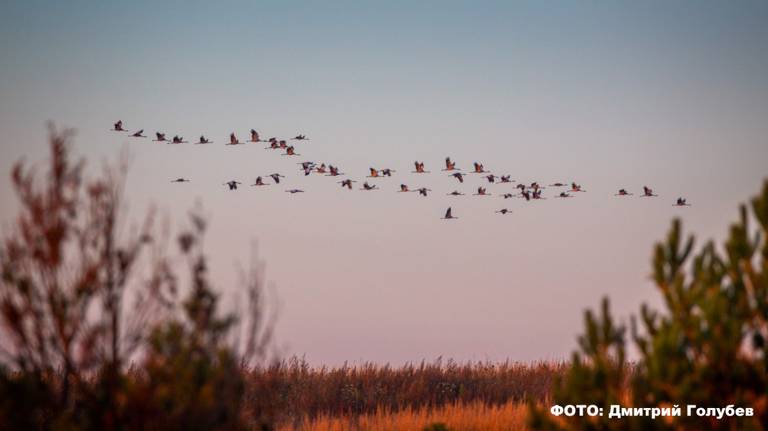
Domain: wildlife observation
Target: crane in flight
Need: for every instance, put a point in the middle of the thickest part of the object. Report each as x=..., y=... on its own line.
x=479, y=168
x=623, y=192
x=259, y=182
x=449, y=165
x=139, y=134
x=289, y=151
x=648, y=192
x=481, y=192
x=203, y=140
x=276, y=178
x=491, y=178
x=347, y=183
x=455, y=193
x=367, y=186
x=681, y=202
x=255, y=136
x=448, y=215
x=180, y=180
x=118, y=127
x=419, y=168
x=459, y=176
x=505, y=179
x=423, y=191
x=403, y=188
x=232, y=184
x=294, y=191
x=504, y=211
x=300, y=138
x=178, y=140
x=233, y=140
x=159, y=137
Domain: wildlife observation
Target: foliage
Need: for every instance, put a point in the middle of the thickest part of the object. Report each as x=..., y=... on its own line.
x=708, y=348
x=69, y=337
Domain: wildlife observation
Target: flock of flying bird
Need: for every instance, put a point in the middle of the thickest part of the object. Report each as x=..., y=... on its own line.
x=527, y=192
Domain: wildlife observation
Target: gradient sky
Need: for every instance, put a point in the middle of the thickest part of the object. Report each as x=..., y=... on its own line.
x=609, y=94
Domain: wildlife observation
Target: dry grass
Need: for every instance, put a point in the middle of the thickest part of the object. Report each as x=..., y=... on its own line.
x=292, y=391
x=475, y=416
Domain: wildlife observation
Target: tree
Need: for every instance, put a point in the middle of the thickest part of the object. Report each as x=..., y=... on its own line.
x=92, y=318
x=706, y=349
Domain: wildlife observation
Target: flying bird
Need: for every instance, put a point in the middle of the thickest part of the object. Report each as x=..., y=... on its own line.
x=180, y=180
x=564, y=195
x=294, y=191
x=300, y=138
x=276, y=178
x=491, y=178
x=459, y=176
x=504, y=211
x=387, y=172
x=259, y=182
x=623, y=192
x=576, y=187
x=505, y=179
x=160, y=137
x=289, y=151
x=448, y=215
x=139, y=134
x=403, y=188
x=367, y=186
x=455, y=193
x=233, y=140
x=647, y=192
x=255, y=136
x=479, y=168
x=423, y=191
x=507, y=195
x=557, y=185
x=204, y=140
x=481, y=192
x=681, y=202
x=178, y=140
x=232, y=184
x=347, y=183
x=419, y=168
x=374, y=173
x=334, y=171
x=449, y=165
x=118, y=127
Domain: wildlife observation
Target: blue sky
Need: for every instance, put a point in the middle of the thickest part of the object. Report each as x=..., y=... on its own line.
x=609, y=94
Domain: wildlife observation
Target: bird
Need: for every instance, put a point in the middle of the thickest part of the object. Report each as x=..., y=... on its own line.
x=387, y=172
x=535, y=186
x=479, y=168
x=232, y=184
x=623, y=192
x=203, y=140
x=507, y=195
x=681, y=202
x=118, y=127
x=481, y=192
x=180, y=180
x=282, y=144
x=347, y=183
x=289, y=151
x=300, y=138
x=178, y=140
x=505, y=179
x=423, y=191
x=259, y=182
x=557, y=185
x=419, y=168
x=233, y=140
x=294, y=191
x=576, y=187
x=276, y=178
x=254, y=136
x=321, y=169
x=139, y=134
x=459, y=176
x=374, y=173
x=526, y=194
x=491, y=178
x=564, y=195
x=403, y=188
x=647, y=192
x=504, y=211
x=449, y=165
x=160, y=137
x=273, y=145
x=455, y=193
x=448, y=215
x=536, y=194
x=367, y=186
x=333, y=171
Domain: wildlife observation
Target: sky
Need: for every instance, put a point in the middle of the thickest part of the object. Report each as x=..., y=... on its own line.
x=673, y=95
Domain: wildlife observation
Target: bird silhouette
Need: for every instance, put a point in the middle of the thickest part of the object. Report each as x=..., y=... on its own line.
x=300, y=138
x=403, y=188
x=180, y=180
x=259, y=182
x=576, y=187
x=203, y=140
x=419, y=168
x=504, y=211
x=139, y=134
x=479, y=168
x=159, y=137
x=289, y=151
x=455, y=193
x=449, y=165
x=294, y=191
x=374, y=173
x=459, y=176
x=647, y=192
x=507, y=195
x=232, y=184
x=564, y=195
x=254, y=136
x=367, y=186
x=118, y=127
x=681, y=202
x=423, y=191
x=505, y=179
x=233, y=140
x=448, y=215
x=347, y=183
x=481, y=192
x=491, y=178
x=276, y=178
x=178, y=140
x=623, y=192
